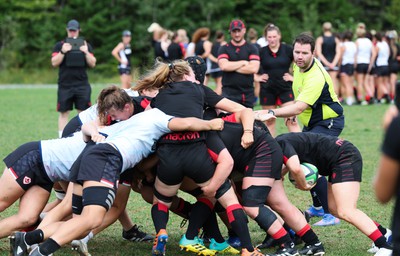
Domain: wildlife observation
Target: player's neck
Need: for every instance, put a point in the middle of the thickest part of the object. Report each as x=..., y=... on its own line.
x=240, y=43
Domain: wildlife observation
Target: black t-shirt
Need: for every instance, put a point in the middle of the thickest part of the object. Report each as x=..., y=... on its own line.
x=199, y=48
x=71, y=76
x=158, y=51
x=214, y=51
x=174, y=52
x=317, y=149
x=276, y=65
x=328, y=47
x=184, y=99
x=391, y=148
x=235, y=53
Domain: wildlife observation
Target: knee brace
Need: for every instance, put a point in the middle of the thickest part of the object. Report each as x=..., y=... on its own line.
x=223, y=189
x=102, y=196
x=77, y=204
x=255, y=196
x=265, y=217
x=167, y=199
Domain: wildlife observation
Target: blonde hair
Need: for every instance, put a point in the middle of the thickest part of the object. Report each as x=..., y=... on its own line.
x=111, y=97
x=163, y=73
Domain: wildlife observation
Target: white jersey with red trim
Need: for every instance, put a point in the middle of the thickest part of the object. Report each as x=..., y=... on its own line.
x=136, y=137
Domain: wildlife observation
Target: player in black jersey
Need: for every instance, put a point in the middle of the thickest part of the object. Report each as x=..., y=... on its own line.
x=276, y=81
x=185, y=154
x=260, y=164
x=239, y=61
x=342, y=163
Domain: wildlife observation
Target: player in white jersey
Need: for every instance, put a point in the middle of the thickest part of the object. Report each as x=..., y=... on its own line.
x=30, y=173
x=364, y=64
x=382, y=68
x=100, y=166
x=348, y=52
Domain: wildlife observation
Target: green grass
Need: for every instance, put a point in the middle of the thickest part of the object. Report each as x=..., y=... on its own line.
x=29, y=115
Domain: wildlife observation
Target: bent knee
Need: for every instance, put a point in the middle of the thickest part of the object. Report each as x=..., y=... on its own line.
x=27, y=220
x=252, y=212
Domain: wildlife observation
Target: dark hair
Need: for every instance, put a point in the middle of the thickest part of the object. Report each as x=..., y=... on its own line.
x=348, y=35
x=111, y=97
x=219, y=34
x=379, y=36
x=271, y=27
x=305, y=38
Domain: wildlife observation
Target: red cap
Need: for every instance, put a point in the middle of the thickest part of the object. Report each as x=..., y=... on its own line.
x=236, y=24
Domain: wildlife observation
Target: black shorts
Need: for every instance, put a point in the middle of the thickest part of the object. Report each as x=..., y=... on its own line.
x=26, y=165
x=124, y=71
x=347, y=69
x=179, y=160
x=67, y=96
x=126, y=177
x=101, y=163
x=246, y=97
x=331, y=126
x=382, y=71
x=216, y=74
x=362, y=68
x=72, y=126
x=267, y=160
x=275, y=96
x=394, y=67
x=349, y=165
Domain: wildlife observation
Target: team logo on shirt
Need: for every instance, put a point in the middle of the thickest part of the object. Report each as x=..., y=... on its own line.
x=27, y=180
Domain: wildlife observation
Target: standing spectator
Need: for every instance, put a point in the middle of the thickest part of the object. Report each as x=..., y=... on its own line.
x=394, y=60
x=73, y=83
x=252, y=36
x=276, y=81
x=203, y=47
x=364, y=63
x=174, y=49
x=161, y=46
x=239, y=61
x=318, y=109
x=215, y=70
x=348, y=51
x=327, y=49
x=382, y=68
x=122, y=52
x=183, y=39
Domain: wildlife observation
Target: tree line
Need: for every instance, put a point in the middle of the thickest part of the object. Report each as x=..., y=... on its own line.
x=29, y=29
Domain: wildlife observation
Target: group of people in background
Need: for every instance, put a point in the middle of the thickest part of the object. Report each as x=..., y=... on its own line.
x=302, y=82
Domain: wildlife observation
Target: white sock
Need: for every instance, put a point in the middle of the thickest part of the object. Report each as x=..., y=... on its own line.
x=87, y=238
x=60, y=134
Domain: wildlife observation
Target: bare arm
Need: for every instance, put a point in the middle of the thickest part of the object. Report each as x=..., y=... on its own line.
x=318, y=51
x=90, y=59
x=338, y=54
x=90, y=132
x=115, y=52
x=291, y=110
x=195, y=124
x=230, y=66
x=293, y=164
x=222, y=171
x=57, y=59
x=385, y=182
x=251, y=68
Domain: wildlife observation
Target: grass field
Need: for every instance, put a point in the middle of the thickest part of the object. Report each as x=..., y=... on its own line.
x=29, y=114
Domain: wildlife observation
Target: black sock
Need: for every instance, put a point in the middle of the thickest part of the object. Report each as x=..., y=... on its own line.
x=34, y=237
x=159, y=214
x=382, y=229
x=211, y=228
x=238, y=221
x=184, y=209
x=201, y=211
x=321, y=192
x=310, y=237
x=48, y=247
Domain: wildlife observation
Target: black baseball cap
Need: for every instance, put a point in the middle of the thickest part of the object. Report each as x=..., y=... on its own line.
x=126, y=33
x=73, y=25
x=236, y=25
x=199, y=67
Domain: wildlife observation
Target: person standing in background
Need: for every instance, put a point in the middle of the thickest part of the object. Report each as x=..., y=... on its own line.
x=73, y=83
x=122, y=52
x=348, y=51
x=203, y=47
x=215, y=71
x=327, y=49
x=239, y=61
